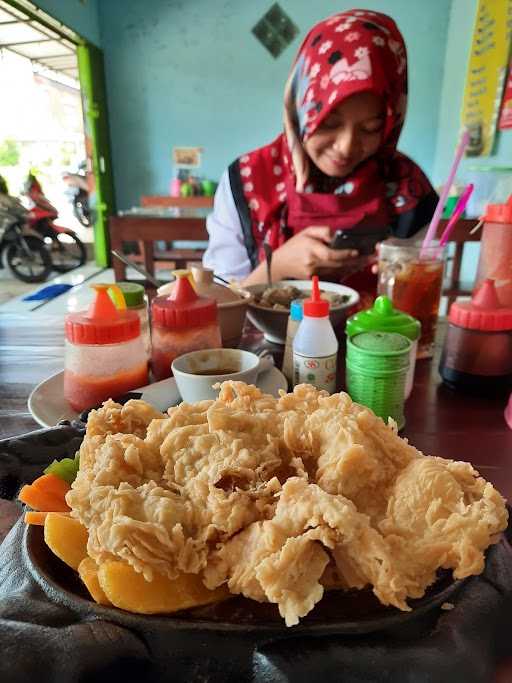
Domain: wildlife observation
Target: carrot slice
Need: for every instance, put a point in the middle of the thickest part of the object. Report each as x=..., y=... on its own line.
x=52, y=484
x=41, y=500
x=36, y=518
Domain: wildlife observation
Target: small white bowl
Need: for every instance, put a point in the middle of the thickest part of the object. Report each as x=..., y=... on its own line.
x=196, y=387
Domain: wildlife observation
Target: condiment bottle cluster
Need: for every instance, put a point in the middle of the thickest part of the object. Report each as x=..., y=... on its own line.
x=108, y=346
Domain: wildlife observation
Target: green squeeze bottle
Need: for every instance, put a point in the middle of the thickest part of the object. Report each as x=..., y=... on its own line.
x=384, y=317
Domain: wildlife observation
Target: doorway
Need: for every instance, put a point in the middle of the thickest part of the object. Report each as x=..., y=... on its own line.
x=53, y=120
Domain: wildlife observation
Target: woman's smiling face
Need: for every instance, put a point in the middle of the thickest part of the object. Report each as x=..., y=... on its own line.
x=348, y=135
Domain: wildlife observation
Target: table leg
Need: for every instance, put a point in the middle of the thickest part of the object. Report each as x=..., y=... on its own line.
x=148, y=256
x=116, y=244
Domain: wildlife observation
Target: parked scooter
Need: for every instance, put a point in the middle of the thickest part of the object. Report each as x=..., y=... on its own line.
x=66, y=248
x=21, y=250
x=78, y=193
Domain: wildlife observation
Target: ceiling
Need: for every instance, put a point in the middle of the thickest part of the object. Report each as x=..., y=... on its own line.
x=29, y=32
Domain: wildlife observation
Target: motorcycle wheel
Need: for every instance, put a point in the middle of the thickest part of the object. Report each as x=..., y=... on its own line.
x=81, y=209
x=33, y=267
x=67, y=251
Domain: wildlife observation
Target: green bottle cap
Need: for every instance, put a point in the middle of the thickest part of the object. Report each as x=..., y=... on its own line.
x=133, y=294
x=384, y=317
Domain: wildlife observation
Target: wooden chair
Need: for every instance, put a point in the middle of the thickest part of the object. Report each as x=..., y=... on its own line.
x=460, y=236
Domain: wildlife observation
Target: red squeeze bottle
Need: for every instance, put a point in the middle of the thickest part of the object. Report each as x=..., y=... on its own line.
x=477, y=353
x=181, y=322
x=105, y=354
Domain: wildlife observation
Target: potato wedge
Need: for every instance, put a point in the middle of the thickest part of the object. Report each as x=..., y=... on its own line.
x=128, y=590
x=66, y=537
x=88, y=570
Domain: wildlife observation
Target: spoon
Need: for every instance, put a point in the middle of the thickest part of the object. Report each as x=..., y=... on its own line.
x=135, y=266
x=268, y=258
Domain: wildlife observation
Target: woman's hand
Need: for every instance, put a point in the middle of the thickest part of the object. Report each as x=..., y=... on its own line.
x=308, y=253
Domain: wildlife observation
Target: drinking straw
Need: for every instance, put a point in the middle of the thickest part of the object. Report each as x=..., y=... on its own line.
x=432, y=228
x=459, y=208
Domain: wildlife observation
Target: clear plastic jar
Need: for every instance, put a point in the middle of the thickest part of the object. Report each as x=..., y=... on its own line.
x=96, y=372
x=181, y=322
x=169, y=344
x=136, y=301
x=105, y=355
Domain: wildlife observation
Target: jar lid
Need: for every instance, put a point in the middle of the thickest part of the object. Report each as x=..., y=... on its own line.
x=381, y=343
x=183, y=308
x=133, y=293
x=483, y=312
x=384, y=317
x=205, y=286
x=316, y=307
x=296, y=311
x=102, y=323
x=499, y=213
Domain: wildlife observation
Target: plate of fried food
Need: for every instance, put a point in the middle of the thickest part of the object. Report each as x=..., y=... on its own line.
x=299, y=513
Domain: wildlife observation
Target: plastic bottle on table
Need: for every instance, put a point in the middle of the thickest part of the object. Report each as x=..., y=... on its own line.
x=315, y=346
x=136, y=300
x=495, y=259
x=105, y=355
x=294, y=320
x=477, y=352
x=181, y=322
x=384, y=317
x=376, y=371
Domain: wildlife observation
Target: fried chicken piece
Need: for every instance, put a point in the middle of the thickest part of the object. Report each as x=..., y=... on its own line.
x=277, y=497
x=442, y=514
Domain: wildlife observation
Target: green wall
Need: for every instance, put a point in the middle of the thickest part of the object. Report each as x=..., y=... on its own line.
x=460, y=31
x=458, y=47
x=82, y=17
x=191, y=73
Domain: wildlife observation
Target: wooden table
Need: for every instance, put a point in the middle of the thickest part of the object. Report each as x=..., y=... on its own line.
x=439, y=422
x=184, y=225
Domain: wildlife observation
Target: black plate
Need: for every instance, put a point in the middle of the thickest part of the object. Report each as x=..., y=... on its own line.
x=339, y=612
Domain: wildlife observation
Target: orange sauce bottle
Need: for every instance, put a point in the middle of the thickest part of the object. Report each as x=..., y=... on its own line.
x=105, y=355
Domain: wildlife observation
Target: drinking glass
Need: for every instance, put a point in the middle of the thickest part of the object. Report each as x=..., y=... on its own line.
x=414, y=284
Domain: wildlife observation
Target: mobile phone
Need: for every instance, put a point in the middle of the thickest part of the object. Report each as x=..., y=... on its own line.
x=363, y=240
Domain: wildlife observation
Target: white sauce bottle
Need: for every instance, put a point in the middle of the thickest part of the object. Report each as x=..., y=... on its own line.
x=315, y=346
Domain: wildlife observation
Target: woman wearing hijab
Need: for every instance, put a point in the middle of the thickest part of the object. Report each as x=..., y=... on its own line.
x=335, y=166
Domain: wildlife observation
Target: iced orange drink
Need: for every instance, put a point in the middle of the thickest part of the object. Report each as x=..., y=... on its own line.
x=413, y=284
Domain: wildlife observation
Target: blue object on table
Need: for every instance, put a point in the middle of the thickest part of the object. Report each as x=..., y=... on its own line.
x=49, y=292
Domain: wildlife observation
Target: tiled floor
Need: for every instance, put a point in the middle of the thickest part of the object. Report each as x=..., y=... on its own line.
x=10, y=288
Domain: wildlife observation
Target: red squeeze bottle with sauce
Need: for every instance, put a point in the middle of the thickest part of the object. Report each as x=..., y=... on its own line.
x=181, y=322
x=105, y=354
x=477, y=353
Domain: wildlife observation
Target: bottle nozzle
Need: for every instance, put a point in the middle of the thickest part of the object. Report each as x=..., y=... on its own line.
x=316, y=307
x=315, y=294
x=103, y=306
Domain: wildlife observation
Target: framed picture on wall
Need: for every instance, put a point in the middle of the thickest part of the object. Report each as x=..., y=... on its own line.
x=186, y=157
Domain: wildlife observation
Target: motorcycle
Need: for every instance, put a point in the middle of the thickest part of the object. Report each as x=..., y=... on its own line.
x=78, y=193
x=21, y=251
x=66, y=249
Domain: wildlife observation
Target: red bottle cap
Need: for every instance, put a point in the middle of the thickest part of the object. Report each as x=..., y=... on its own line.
x=499, y=213
x=183, y=308
x=102, y=323
x=316, y=307
x=483, y=312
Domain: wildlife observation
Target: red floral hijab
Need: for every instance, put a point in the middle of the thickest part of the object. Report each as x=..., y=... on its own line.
x=351, y=52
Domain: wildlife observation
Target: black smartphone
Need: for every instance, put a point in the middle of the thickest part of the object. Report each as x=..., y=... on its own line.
x=363, y=240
